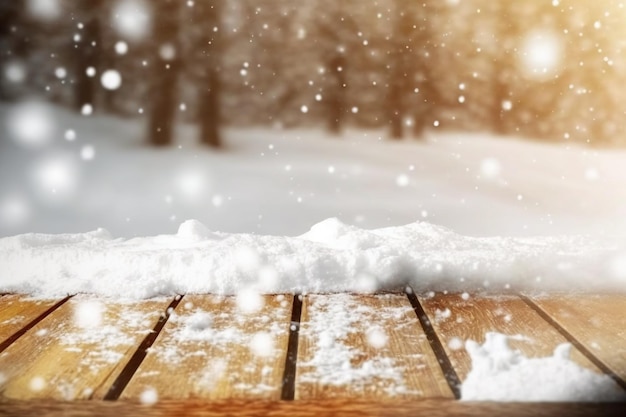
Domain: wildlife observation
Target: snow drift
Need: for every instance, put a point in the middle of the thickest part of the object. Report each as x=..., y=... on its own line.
x=331, y=257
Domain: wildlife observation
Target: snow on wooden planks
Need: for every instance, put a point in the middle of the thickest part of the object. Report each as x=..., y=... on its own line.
x=211, y=348
x=367, y=347
x=16, y=311
x=595, y=321
x=457, y=318
x=71, y=352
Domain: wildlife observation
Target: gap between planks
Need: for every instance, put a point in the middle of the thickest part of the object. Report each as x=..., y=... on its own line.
x=365, y=347
x=289, y=376
x=21, y=331
x=66, y=357
x=435, y=344
x=215, y=348
x=578, y=344
x=135, y=361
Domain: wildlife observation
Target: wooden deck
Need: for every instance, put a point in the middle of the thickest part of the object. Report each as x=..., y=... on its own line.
x=390, y=354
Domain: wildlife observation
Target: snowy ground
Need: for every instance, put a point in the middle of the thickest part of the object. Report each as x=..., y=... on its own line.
x=65, y=173
x=281, y=182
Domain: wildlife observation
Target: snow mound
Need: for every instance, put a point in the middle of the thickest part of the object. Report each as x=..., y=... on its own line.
x=194, y=230
x=502, y=374
x=335, y=234
x=331, y=257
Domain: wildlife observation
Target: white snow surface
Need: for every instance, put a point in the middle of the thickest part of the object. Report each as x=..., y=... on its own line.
x=453, y=211
x=331, y=257
x=281, y=181
x=502, y=374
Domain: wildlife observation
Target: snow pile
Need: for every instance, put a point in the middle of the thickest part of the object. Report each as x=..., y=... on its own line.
x=331, y=257
x=501, y=374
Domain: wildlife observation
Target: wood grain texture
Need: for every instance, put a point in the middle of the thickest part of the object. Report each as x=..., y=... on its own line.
x=16, y=311
x=346, y=407
x=456, y=320
x=596, y=321
x=71, y=352
x=365, y=347
x=211, y=349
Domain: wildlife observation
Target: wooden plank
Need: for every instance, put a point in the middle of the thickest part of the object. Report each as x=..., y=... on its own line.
x=596, y=321
x=16, y=311
x=345, y=407
x=73, y=350
x=365, y=347
x=211, y=349
x=457, y=318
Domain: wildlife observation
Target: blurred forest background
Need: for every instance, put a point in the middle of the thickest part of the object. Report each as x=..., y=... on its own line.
x=547, y=69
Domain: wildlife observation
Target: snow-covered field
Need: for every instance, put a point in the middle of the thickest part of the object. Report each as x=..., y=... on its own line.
x=281, y=182
x=296, y=210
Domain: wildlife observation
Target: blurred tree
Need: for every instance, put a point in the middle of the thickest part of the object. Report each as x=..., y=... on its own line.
x=423, y=58
x=323, y=35
x=88, y=50
x=401, y=66
x=588, y=107
x=505, y=35
x=449, y=64
x=165, y=64
x=410, y=68
x=333, y=29
x=335, y=94
x=14, y=41
x=209, y=46
x=260, y=68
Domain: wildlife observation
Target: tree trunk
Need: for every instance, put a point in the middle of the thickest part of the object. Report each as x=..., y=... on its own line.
x=210, y=110
x=423, y=59
x=15, y=42
x=504, y=66
x=336, y=97
x=166, y=67
x=88, y=52
x=398, y=83
x=209, y=100
x=395, y=96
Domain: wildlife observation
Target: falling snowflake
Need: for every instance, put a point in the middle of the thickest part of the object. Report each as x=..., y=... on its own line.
x=87, y=153
x=46, y=10
x=131, y=18
x=111, y=79
x=490, y=168
x=121, y=48
x=70, y=135
x=37, y=383
x=86, y=110
x=402, y=180
x=377, y=338
x=249, y=301
x=262, y=344
x=167, y=52
x=14, y=210
x=149, y=396
x=15, y=72
x=31, y=124
x=88, y=314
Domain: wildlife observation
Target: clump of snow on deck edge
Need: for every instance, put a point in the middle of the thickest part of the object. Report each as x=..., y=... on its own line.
x=502, y=374
x=331, y=257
